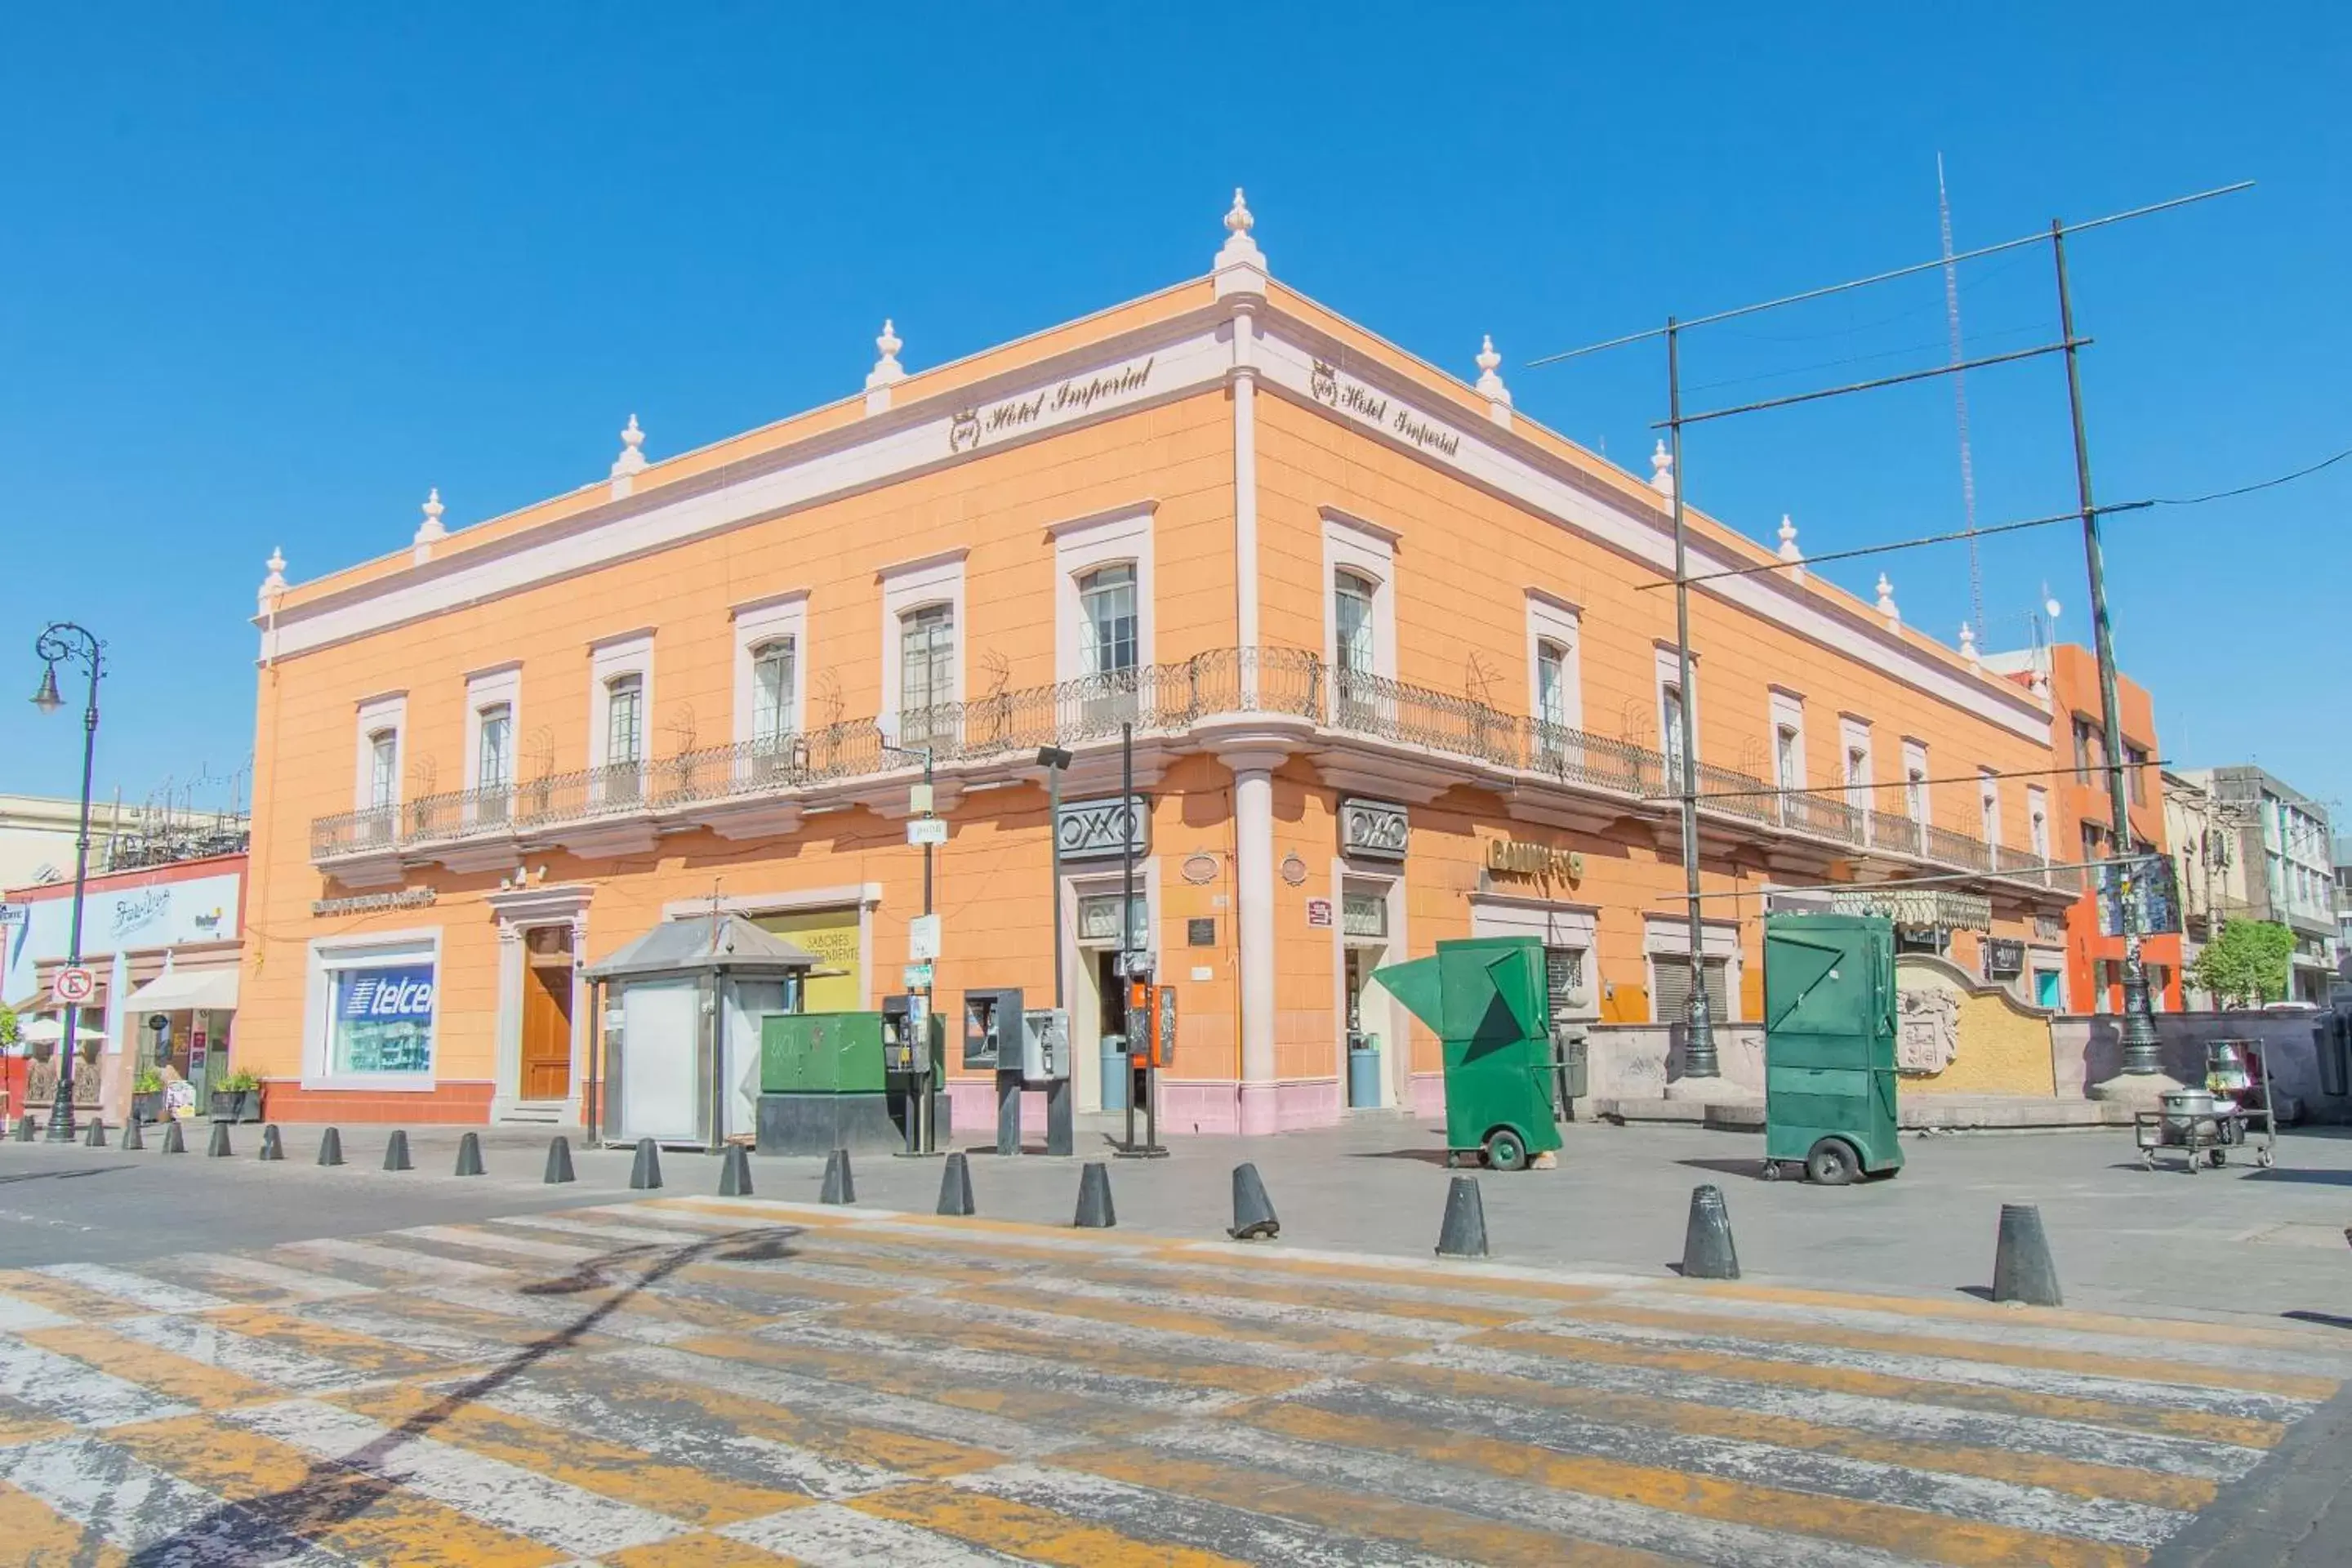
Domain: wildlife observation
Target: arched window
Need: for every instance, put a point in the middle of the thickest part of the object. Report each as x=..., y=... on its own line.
x=1107, y=620
x=774, y=713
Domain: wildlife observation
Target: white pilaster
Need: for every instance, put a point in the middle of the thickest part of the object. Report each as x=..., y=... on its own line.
x=1255, y=932
x=1246, y=564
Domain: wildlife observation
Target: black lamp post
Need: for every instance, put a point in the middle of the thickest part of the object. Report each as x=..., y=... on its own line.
x=62, y=641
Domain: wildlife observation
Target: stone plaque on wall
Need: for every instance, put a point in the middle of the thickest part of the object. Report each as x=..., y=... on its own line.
x=1373, y=829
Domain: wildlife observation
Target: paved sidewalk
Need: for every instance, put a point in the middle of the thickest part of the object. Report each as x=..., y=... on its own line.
x=692, y=1381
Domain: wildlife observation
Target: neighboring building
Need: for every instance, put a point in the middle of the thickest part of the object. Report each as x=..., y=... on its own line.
x=1383, y=643
x=164, y=942
x=2249, y=847
x=2343, y=857
x=2091, y=979
x=38, y=833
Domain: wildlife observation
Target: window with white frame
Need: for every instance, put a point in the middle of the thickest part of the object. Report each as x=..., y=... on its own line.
x=775, y=693
x=1914, y=780
x=383, y=768
x=624, y=720
x=373, y=1013
x=1988, y=804
x=1359, y=616
x=1551, y=684
x=927, y=652
x=2037, y=823
x=1352, y=635
x=1853, y=744
x=1108, y=625
x=620, y=706
x=375, y=783
x=494, y=748
x=1670, y=732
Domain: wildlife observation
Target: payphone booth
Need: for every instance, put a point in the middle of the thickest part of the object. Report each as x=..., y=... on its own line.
x=1025, y=1048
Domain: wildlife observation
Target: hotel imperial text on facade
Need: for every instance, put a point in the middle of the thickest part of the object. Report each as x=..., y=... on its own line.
x=1382, y=642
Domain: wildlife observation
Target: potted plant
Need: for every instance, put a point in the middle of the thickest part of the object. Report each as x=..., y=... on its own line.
x=237, y=1096
x=147, y=1094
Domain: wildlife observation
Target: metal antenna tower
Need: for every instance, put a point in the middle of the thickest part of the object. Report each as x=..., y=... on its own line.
x=1960, y=399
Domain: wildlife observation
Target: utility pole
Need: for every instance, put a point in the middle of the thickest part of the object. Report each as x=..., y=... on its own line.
x=2141, y=1075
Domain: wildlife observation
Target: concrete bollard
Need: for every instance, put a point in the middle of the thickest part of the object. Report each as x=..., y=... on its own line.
x=559, y=1162
x=218, y=1148
x=96, y=1137
x=470, y=1154
x=395, y=1151
x=1708, y=1251
x=2022, y=1267
x=25, y=1128
x=840, y=1186
x=645, y=1172
x=1095, y=1210
x=735, y=1172
x=273, y=1147
x=955, y=1187
x=1253, y=1213
x=176, y=1142
x=132, y=1138
x=1464, y=1234
x=331, y=1147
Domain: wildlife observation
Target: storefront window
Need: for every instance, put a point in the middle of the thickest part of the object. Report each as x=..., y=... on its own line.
x=1098, y=920
x=1364, y=914
x=380, y=1019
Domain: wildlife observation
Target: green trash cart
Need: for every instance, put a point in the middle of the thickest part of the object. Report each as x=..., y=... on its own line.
x=1486, y=1000
x=1829, y=1047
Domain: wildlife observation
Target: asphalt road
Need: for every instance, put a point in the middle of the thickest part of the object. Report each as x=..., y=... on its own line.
x=279, y=1363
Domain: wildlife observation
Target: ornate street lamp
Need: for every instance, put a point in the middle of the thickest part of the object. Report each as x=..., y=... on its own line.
x=63, y=641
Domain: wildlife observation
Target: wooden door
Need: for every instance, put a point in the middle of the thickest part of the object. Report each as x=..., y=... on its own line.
x=546, y=1014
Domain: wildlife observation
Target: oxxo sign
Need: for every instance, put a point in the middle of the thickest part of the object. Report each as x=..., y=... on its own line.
x=1518, y=857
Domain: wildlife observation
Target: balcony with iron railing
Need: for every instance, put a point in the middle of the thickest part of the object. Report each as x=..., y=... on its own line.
x=1288, y=685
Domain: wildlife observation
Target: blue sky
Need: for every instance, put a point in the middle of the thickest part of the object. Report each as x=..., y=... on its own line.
x=269, y=272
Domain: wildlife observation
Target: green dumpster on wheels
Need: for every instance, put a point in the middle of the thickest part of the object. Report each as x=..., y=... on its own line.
x=1829, y=1047
x=1486, y=1000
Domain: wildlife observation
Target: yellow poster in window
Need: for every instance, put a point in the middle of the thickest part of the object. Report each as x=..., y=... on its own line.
x=837, y=985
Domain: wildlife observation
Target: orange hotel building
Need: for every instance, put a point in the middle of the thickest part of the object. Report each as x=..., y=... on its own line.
x=1380, y=638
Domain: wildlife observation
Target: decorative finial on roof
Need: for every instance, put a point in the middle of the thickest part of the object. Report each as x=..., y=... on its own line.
x=1886, y=603
x=887, y=372
x=1490, y=385
x=1240, y=251
x=430, y=532
x=1969, y=644
x=632, y=461
x=273, y=585
x=1789, y=551
x=1662, y=470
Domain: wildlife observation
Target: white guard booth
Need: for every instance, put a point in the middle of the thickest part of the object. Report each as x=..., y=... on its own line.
x=679, y=1011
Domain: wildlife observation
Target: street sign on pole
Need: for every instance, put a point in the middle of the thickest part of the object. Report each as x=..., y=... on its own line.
x=927, y=830
x=74, y=985
x=917, y=977
x=923, y=938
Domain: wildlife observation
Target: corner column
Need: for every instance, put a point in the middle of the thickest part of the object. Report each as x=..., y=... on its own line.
x=1255, y=930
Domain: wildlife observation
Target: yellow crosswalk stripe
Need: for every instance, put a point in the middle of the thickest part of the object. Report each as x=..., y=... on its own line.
x=1336, y=1296
x=1201, y=1325
x=1914, y=1533
x=1030, y=1533
x=2243, y=1431
x=1354, y=1514
x=162, y=1372
x=32, y=1532
x=369, y=1519
x=2072, y=1476
x=1071, y=1350
x=360, y=1353
x=876, y=1447
x=700, y=1550
x=62, y=1296
x=19, y=1424
x=2290, y=1385
x=1373, y=1271
x=609, y=1469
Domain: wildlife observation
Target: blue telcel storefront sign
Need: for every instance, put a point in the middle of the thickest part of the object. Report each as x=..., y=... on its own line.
x=384, y=1019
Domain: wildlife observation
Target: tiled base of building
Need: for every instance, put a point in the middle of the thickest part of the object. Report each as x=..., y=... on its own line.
x=448, y=1102
x=1209, y=1106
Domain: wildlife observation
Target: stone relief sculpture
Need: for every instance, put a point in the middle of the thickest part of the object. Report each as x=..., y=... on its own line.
x=1927, y=1030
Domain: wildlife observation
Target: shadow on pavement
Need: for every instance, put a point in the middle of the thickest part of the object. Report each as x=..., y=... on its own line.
x=1426, y=1156
x=2325, y=1319
x=2320, y=1178
x=62, y=1176
x=331, y=1491
x=1753, y=1169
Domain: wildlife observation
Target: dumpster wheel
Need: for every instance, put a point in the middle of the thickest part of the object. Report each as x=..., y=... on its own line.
x=1506, y=1150
x=1832, y=1163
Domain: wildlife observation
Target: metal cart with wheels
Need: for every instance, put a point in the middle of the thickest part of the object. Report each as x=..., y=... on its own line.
x=2228, y=1112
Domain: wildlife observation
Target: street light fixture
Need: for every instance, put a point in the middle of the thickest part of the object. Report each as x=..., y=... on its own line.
x=59, y=642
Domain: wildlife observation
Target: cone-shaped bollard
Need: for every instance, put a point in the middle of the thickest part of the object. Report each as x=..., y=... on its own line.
x=1708, y=1252
x=1464, y=1234
x=559, y=1162
x=1095, y=1210
x=273, y=1147
x=470, y=1154
x=25, y=1129
x=735, y=1172
x=955, y=1187
x=395, y=1151
x=176, y=1142
x=131, y=1137
x=331, y=1147
x=840, y=1187
x=218, y=1148
x=96, y=1137
x=645, y=1173
x=1252, y=1210
x=2021, y=1268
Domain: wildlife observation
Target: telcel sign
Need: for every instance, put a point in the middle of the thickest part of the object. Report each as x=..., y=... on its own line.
x=1518, y=857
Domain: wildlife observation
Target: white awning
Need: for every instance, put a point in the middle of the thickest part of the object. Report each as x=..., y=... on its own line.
x=49, y=1031
x=182, y=989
